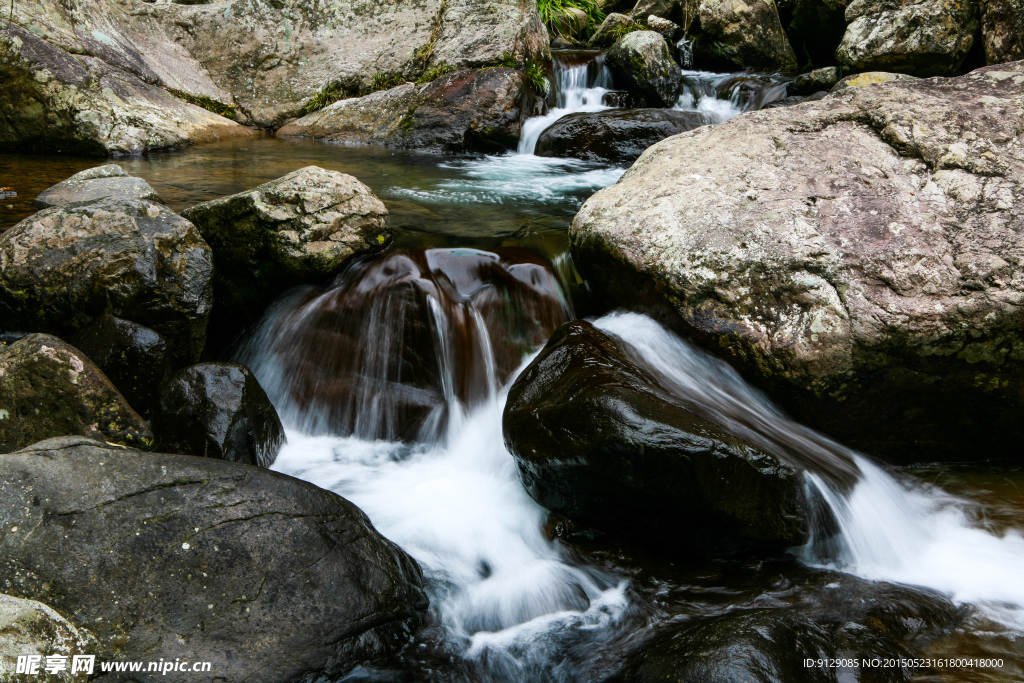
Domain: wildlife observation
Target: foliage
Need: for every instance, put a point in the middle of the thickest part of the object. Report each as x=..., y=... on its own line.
x=615, y=34
x=434, y=73
x=534, y=71
x=386, y=81
x=323, y=98
x=556, y=13
x=207, y=103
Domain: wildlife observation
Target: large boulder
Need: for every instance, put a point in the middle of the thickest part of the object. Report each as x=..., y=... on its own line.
x=600, y=439
x=642, y=61
x=133, y=357
x=470, y=110
x=31, y=628
x=218, y=410
x=617, y=135
x=272, y=69
x=52, y=100
x=919, y=37
x=610, y=30
x=298, y=228
x=49, y=388
x=745, y=34
x=1002, y=30
x=858, y=257
x=171, y=556
x=136, y=259
x=95, y=183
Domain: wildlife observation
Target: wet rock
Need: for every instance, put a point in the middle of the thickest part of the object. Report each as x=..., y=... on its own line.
x=446, y=323
x=768, y=646
x=746, y=34
x=642, y=61
x=218, y=410
x=169, y=556
x=816, y=81
x=1002, y=30
x=857, y=257
x=49, y=388
x=133, y=357
x=609, y=30
x=868, y=78
x=599, y=439
x=668, y=29
x=96, y=183
x=621, y=99
x=55, y=101
x=470, y=110
x=28, y=627
x=63, y=267
x=299, y=228
x=919, y=37
x=618, y=136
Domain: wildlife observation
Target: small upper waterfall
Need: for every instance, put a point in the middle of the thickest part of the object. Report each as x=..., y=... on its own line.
x=580, y=84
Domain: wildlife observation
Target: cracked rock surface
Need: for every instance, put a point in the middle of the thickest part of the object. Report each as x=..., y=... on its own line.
x=858, y=256
x=175, y=556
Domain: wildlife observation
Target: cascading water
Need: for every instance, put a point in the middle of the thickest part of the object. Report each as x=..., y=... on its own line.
x=510, y=603
x=723, y=96
x=580, y=86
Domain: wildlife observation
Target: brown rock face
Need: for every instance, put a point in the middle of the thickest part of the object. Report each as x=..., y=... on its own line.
x=860, y=257
x=49, y=388
x=402, y=339
x=1002, y=30
x=468, y=110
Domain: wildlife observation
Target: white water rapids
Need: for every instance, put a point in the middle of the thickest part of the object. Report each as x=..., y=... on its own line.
x=509, y=598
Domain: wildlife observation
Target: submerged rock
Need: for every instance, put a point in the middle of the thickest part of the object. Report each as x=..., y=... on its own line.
x=598, y=438
x=133, y=357
x=617, y=136
x=28, y=627
x=745, y=34
x=642, y=61
x=433, y=330
x=96, y=183
x=63, y=267
x=858, y=257
x=218, y=410
x=49, y=388
x=170, y=556
x=919, y=37
x=299, y=228
x=470, y=110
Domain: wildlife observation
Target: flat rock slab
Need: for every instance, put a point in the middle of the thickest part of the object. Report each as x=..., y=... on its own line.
x=267, y=577
x=95, y=183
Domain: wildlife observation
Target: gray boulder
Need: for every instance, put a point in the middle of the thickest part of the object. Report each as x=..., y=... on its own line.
x=298, y=228
x=269, y=578
x=136, y=259
x=859, y=257
x=1002, y=30
x=49, y=388
x=28, y=627
x=918, y=37
x=479, y=110
x=642, y=61
x=745, y=34
x=96, y=183
x=608, y=32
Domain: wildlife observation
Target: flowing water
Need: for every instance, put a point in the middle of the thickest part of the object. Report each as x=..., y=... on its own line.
x=391, y=382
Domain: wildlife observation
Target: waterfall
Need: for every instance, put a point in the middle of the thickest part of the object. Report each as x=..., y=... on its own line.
x=723, y=96
x=580, y=86
x=883, y=527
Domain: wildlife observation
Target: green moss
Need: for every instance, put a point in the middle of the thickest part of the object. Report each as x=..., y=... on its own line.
x=617, y=33
x=207, y=103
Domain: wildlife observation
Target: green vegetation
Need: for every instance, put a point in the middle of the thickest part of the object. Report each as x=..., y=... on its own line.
x=327, y=96
x=534, y=71
x=434, y=73
x=558, y=15
x=386, y=81
x=615, y=34
x=207, y=103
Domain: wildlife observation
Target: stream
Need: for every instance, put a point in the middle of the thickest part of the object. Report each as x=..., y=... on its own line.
x=391, y=381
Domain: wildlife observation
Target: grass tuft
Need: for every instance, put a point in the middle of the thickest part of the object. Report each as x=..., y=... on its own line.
x=207, y=103
x=323, y=98
x=556, y=15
